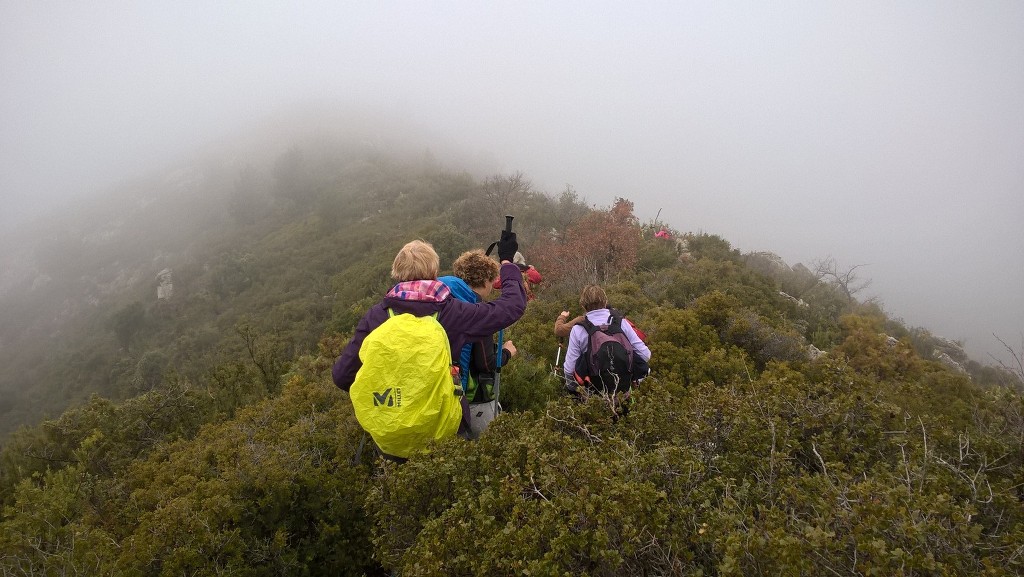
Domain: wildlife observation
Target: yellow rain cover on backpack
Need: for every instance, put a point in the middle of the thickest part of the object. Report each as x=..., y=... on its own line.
x=404, y=395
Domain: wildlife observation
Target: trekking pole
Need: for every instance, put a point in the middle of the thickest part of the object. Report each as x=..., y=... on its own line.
x=501, y=335
x=508, y=228
x=558, y=357
x=497, y=372
x=359, y=451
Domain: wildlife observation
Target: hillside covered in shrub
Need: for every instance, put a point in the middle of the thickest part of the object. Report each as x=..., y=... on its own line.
x=201, y=434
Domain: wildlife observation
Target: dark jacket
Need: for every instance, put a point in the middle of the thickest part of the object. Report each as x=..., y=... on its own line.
x=485, y=356
x=464, y=322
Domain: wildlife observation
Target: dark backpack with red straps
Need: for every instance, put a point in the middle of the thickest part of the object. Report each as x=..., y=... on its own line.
x=608, y=363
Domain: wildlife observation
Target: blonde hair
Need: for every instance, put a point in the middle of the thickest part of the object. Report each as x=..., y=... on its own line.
x=416, y=261
x=593, y=297
x=476, y=268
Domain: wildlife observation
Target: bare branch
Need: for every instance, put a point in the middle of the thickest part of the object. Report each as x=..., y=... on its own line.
x=1016, y=367
x=845, y=280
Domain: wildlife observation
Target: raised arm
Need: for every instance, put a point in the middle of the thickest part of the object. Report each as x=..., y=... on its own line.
x=563, y=327
x=484, y=319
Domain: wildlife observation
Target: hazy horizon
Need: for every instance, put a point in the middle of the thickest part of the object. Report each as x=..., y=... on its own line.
x=885, y=135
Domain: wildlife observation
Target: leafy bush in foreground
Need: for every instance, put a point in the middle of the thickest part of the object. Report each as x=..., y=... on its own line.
x=794, y=472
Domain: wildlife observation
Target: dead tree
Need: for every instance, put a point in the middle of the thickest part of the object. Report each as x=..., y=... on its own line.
x=1016, y=366
x=846, y=280
x=506, y=193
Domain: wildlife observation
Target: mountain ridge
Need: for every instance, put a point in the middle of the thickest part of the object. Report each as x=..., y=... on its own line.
x=201, y=433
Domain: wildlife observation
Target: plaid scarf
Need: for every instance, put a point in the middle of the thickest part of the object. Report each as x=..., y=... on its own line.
x=420, y=290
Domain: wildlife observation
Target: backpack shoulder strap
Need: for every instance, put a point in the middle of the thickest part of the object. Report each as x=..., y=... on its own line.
x=614, y=324
x=590, y=327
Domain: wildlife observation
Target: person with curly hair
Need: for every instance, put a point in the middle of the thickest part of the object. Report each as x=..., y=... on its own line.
x=472, y=282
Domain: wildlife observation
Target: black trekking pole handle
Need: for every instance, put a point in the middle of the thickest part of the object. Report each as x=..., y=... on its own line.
x=508, y=228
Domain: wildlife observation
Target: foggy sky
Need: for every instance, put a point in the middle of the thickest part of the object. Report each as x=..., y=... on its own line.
x=880, y=133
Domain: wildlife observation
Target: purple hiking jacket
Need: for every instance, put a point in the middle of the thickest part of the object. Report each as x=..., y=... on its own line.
x=464, y=322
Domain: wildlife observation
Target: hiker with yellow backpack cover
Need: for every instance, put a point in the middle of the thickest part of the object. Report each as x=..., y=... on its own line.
x=398, y=367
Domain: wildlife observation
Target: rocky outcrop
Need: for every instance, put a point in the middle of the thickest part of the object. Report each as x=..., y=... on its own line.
x=683, y=246
x=949, y=362
x=768, y=262
x=954, y=349
x=798, y=302
x=800, y=269
x=165, y=289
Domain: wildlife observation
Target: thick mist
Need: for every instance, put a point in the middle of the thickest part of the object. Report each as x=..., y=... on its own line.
x=884, y=135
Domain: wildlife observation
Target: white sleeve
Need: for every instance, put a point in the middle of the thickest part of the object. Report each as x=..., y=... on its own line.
x=638, y=345
x=577, y=340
